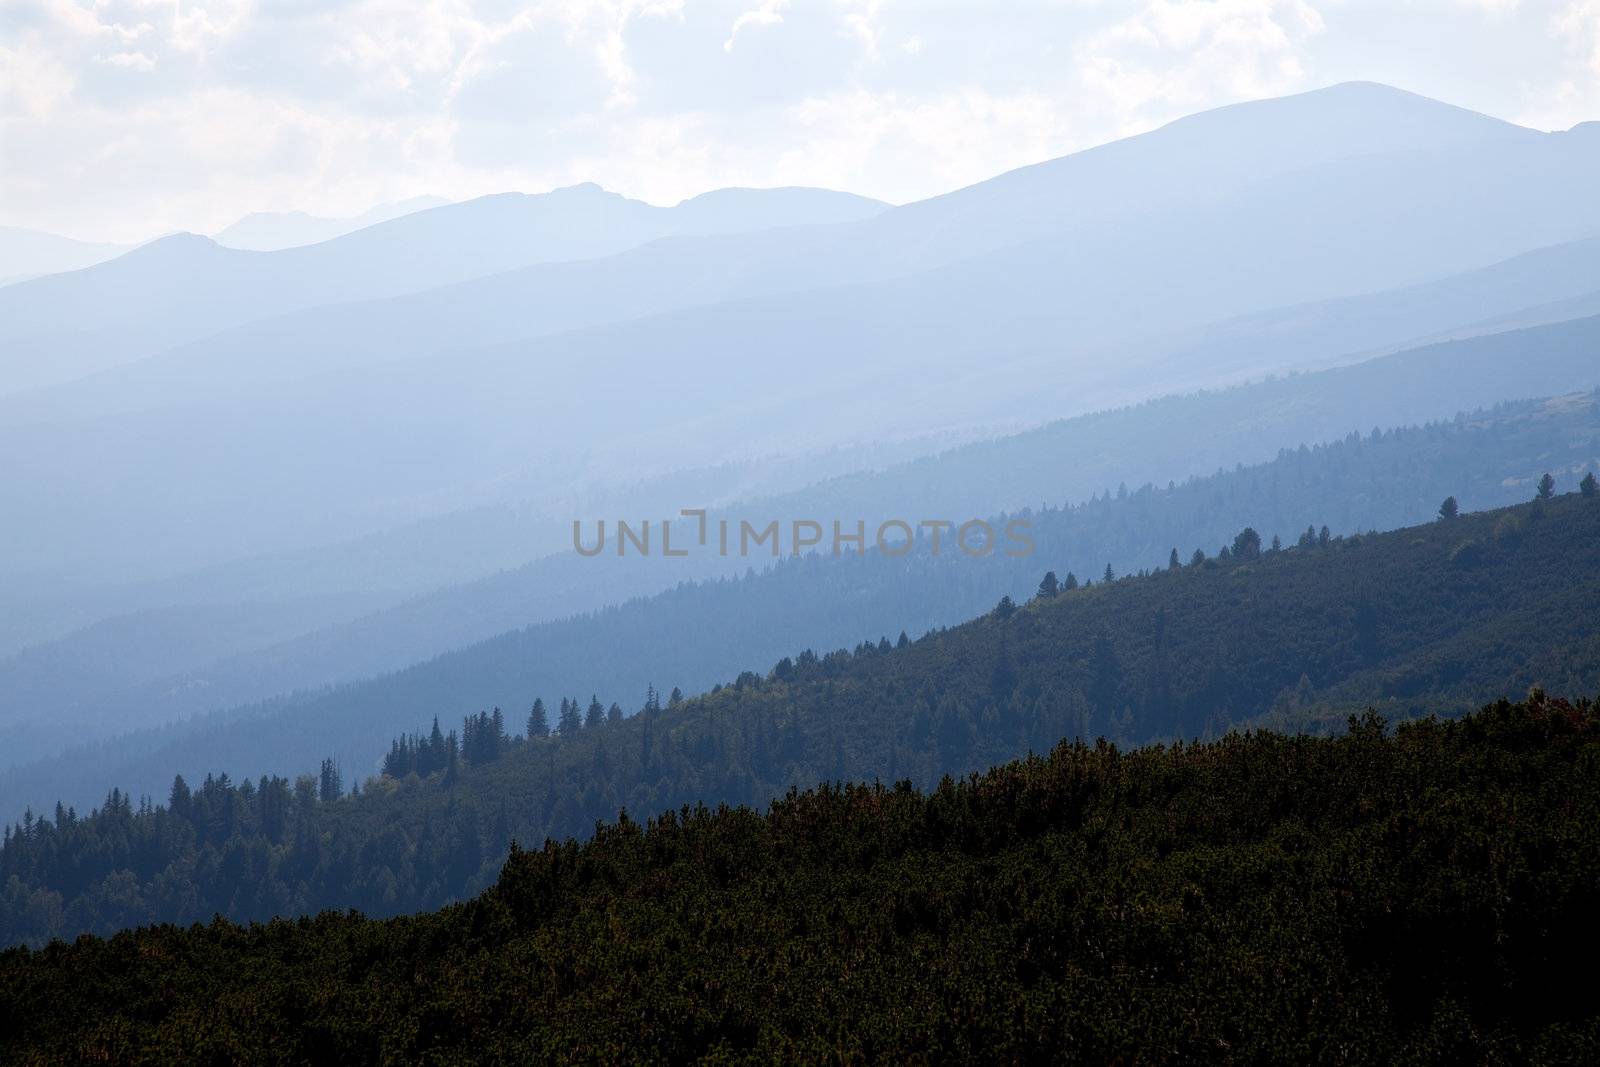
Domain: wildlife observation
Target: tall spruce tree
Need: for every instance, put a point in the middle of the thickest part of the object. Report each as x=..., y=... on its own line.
x=571, y=720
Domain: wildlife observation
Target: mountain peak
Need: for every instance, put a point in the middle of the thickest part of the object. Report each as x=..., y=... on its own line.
x=581, y=189
x=1371, y=115
x=174, y=245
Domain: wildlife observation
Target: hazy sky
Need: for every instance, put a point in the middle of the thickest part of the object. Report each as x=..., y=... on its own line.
x=124, y=118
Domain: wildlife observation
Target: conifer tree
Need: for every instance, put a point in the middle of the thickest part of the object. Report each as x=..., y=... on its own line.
x=1589, y=487
x=571, y=720
x=538, y=720
x=330, y=785
x=1049, y=586
x=436, y=758
x=178, y=800
x=1547, y=487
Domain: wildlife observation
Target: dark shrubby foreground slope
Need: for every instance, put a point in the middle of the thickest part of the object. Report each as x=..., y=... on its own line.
x=1428, y=896
x=1438, y=618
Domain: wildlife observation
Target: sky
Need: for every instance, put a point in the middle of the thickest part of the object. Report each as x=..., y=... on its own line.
x=123, y=119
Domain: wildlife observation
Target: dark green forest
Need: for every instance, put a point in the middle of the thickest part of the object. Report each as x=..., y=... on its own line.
x=699, y=634
x=1437, y=618
x=1423, y=896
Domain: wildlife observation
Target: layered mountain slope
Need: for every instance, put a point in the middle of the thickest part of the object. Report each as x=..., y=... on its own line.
x=1435, y=618
x=1001, y=336
x=695, y=635
x=1330, y=147
x=1557, y=283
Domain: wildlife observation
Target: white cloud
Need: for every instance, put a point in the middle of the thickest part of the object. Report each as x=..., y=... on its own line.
x=127, y=60
x=770, y=13
x=1579, y=24
x=889, y=142
x=1173, y=57
x=861, y=23
x=119, y=118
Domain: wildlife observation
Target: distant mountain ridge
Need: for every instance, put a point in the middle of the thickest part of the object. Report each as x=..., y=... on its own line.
x=269, y=231
x=26, y=254
x=1206, y=159
x=182, y=287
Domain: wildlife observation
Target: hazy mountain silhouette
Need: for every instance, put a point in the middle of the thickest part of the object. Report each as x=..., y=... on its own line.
x=408, y=560
x=695, y=635
x=182, y=287
x=269, y=231
x=27, y=254
x=1546, y=285
x=1066, y=460
x=296, y=399
x=1141, y=182
x=1064, y=322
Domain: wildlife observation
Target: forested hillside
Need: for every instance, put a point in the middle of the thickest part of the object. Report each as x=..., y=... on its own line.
x=1425, y=896
x=75, y=692
x=699, y=634
x=1437, y=618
